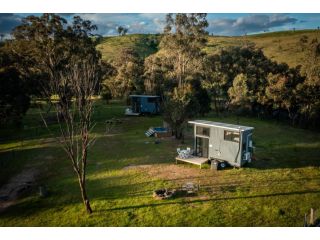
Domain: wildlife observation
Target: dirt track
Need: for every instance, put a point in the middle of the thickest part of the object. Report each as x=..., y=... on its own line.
x=17, y=186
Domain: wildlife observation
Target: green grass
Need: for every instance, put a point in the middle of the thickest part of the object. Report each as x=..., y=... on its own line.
x=275, y=190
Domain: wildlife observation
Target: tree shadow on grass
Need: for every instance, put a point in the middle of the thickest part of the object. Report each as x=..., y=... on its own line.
x=41, y=157
x=32, y=206
x=169, y=202
x=64, y=196
x=106, y=189
x=145, y=189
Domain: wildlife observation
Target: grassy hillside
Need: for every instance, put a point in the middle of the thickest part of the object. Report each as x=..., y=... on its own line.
x=110, y=47
x=284, y=46
x=279, y=46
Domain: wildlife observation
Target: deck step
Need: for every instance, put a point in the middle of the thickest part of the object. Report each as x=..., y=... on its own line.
x=150, y=132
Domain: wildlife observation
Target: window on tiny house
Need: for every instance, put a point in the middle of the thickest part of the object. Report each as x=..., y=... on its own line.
x=152, y=100
x=203, y=131
x=232, y=136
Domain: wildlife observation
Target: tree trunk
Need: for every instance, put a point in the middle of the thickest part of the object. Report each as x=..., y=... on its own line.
x=182, y=137
x=85, y=198
x=179, y=134
x=84, y=166
x=216, y=105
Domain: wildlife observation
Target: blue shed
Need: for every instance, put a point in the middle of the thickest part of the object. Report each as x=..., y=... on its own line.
x=143, y=104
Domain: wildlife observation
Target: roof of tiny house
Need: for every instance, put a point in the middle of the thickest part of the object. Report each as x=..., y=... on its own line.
x=145, y=96
x=220, y=125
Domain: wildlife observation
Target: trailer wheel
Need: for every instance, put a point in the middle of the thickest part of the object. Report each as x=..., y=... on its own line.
x=223, y=165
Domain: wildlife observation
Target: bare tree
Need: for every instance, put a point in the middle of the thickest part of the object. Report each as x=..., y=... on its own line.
x=75, y=87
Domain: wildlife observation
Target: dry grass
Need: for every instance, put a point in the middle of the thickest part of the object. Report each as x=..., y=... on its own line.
x=278, y=46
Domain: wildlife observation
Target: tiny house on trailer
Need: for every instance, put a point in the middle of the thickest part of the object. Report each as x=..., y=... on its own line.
x=226, y=143
x=143, y=104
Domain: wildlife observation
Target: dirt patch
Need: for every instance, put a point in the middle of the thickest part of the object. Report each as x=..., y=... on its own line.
x=17, y=186
x=176, y=172
x=179, y=175
x=171, y=172
x=210, y=182
x=130, y=167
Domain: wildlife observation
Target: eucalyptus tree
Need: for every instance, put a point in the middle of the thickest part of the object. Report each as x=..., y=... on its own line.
x=215, y=80
x=281, y=92
x=240, y=93
x=309, y=90
x=66, y=55
x=14, y=95
x=43, y=45
x=126, y=74
x=39, y=44
x=181, y=51
x=183, y=42
x=157, y=75
x=122, y=30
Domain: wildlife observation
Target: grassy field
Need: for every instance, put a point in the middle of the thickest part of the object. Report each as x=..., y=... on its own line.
x=125, y=167
x=278, y=46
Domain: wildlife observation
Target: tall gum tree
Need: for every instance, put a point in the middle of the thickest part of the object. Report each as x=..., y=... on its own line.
x=180, y=53
x=67, y=55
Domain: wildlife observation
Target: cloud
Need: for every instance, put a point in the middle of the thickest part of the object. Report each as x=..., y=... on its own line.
x=220, y=24
x=8, y=21
x=136, y=23
x=66, y=14
x=159, y=24
x=249, y=24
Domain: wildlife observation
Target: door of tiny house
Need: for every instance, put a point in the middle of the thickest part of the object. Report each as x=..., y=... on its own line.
x=247, y=148
x=136, y=103
x=202, y=135
x=202, y=147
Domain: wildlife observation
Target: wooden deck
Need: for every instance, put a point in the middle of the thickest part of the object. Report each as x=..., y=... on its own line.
x=193, y=160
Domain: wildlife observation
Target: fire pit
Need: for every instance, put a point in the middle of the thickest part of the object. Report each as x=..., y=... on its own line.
x=164, y=193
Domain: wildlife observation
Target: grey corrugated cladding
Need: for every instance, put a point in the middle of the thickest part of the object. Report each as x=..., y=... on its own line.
x=221, y=149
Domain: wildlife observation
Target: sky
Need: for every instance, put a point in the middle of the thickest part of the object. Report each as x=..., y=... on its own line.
x=228, y=24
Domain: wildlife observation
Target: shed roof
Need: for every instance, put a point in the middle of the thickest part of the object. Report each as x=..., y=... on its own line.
x=147, y=96
x=220, y=125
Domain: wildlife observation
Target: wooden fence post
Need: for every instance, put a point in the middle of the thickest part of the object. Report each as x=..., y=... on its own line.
x=305, y=224
x=311, y=216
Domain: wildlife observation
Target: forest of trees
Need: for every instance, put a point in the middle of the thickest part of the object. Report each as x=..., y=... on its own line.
x=239, y=80
x=190, y=81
